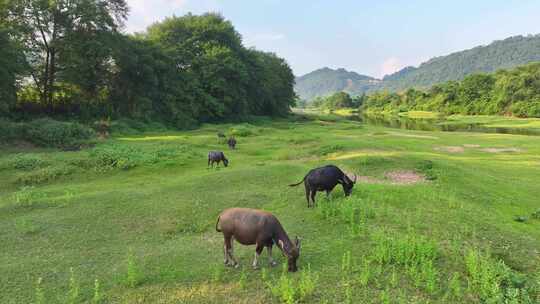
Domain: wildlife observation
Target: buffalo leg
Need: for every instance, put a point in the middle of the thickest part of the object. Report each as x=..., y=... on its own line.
x=208, y=163
x=313, y=197
x=307, y=194
x=229, y=251
x=270, y=259
x=258, y=252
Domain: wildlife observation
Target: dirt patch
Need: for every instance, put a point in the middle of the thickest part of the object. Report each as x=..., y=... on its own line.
x=501, y=150
x=413, y=135
x=404, y=177
x=450, y=149
x=401, y=177
x=471, y=146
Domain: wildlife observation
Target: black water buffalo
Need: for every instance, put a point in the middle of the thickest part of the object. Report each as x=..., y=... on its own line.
x=231, y=142
x=216, y=157
x=256, y=227
x=325, y=179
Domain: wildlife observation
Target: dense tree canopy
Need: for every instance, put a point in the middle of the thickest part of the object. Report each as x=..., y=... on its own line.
x=75, y=63
x=506, y=92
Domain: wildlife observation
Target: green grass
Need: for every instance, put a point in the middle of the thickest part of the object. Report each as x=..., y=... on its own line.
x=420, y=114
x=132, y=220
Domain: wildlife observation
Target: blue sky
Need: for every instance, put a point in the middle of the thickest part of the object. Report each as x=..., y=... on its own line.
x=370, y=37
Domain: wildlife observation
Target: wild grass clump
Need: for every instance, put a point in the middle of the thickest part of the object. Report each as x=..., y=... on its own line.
x=328, y=149
x=289, y=290
x=74, y=288
x=44, y=175
x=133, y=275
x=493, y=281
x=244, y=130
x=426, y=168
x=26, y=162
x=98, y=294
x=28, y=196
x=415, y=253
x=40, y=292
x=115, y=156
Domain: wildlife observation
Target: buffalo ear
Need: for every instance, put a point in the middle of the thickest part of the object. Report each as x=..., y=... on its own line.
x=355, y=178
x=298, y=242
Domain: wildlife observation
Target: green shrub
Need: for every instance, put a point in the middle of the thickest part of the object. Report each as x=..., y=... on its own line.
x=243, y=130
x=494, y=282
x=28, y=196
x=26, y=162
x=114, y=156
x=328, y=149
x=11, y=130
x=44, y=175
x=51, y=133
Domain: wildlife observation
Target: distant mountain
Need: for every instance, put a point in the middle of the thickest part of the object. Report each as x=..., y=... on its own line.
x=326, y=81
x=501, y=54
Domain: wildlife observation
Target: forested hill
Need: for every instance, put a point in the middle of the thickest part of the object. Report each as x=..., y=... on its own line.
x=326, y=81
x=502, y=54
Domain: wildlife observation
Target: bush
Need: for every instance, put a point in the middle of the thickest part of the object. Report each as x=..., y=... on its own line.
x=26, y=162
x=11, y=131
x=44, y=175
x=51, y=133
x=243, y=130
x=108, y=157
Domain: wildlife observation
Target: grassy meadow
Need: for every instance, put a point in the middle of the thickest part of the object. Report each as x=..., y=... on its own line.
x=132, y=219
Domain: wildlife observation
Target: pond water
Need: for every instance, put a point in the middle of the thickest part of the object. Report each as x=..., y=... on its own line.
x=437, y=124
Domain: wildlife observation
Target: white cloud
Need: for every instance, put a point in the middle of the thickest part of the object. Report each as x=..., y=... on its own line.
x=391, y=65
x=145, y=12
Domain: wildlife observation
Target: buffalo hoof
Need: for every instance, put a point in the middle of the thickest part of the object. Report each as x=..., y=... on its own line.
x=273, y=264
x=255, y=267
x=236, y=265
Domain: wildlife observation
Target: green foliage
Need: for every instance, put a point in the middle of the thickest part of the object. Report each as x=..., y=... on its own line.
x=11, y=131
x=74, y=288
x=40, y=292
x=288, y=290
x=337, y=100
x=492, y=281
x=51, y=133
x=515, y=92
x=44, y=175
x=181, y=72
x=26, y=162
x=113, y=156
x=28, y=196
x=97, y=298
x=133, y=274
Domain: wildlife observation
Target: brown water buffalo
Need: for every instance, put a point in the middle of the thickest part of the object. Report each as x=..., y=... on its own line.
x=256, y=227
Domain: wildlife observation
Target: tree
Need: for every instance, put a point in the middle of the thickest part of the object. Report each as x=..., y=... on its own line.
x=11, y=66
x=58, y=36
x=338, y=100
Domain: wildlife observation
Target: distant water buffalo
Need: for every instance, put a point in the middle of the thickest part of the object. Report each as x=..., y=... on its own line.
x=232, y=143
x=256, y=227
x=216, y=157
x=325, y=179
